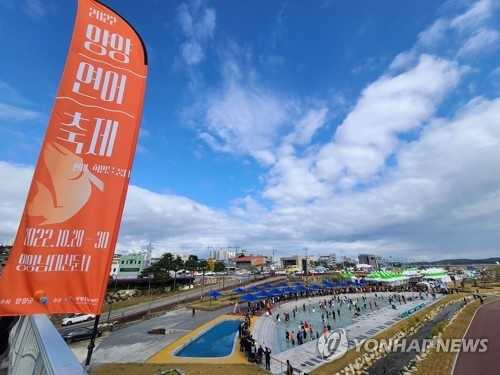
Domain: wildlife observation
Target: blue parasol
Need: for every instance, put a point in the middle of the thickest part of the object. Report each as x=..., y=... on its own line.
x=214, y=294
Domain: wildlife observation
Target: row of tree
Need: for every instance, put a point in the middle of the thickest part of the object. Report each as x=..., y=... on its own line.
x=168, y=263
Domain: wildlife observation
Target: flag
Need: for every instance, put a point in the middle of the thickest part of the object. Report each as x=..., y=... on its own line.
x=61, y=256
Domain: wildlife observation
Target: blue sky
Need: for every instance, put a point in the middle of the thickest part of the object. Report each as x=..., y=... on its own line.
x=286, y=124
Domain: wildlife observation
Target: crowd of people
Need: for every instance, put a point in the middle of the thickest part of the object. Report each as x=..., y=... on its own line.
x=339, y=305
x=248, y=345
x=332, y=310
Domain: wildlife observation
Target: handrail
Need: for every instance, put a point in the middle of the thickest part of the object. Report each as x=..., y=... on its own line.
x=36, y=347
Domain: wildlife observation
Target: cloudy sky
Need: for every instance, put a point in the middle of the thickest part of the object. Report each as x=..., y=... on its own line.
x=337, y=126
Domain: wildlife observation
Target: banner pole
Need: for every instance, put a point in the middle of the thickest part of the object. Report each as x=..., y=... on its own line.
x=92, y=340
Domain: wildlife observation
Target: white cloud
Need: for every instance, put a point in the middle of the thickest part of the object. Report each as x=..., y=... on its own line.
x=484, y=40
x=291, y=179
x=34, y=8
x=387, y=108
x=13, y=105
x=404, y=60
x=14, y=113
x=307, y=126
x=434, y=34
x=441, y=199
x=198, y=26
x=474, y=17
x=243, y=117
x=13, y=189
x=440, y=196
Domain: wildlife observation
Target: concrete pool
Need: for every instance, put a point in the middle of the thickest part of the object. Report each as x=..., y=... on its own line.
x=218, y=341
x=208, y=343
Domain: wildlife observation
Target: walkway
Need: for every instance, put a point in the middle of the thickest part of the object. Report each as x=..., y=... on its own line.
x=485, y=324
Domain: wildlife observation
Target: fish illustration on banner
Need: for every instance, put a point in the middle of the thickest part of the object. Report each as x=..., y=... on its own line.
x=64, y=246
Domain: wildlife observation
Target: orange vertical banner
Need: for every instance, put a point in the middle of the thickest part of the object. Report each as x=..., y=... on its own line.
x=62, y=254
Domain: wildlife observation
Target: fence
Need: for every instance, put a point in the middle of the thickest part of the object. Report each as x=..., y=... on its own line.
x=37, y=348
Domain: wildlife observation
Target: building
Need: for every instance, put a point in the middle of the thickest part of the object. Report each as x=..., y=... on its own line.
x=115, y=266
x=223, y=254
x=4, y=255
x=250, y=261
x=131, y=266
x=328, y=261
x=369, y=259
x=297, y=262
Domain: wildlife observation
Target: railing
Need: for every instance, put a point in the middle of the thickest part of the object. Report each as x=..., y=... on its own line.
x=37, y=348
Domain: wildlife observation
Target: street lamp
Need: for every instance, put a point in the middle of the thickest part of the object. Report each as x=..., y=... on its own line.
x=115, y=279
x=149, y=292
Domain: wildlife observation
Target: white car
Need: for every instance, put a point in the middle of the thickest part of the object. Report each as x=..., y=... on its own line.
x=77, y=318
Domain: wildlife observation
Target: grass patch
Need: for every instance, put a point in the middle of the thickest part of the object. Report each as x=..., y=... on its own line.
x=137, y=300
x=210, y=304
x=191, y=369
x=352, y=355
x=438, y=328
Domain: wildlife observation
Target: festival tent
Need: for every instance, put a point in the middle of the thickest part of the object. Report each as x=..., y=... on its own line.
x=315, y=286
x=248, y=298
x=262, y=295
x=439, y=274
x=387, y=277
x=328, y=284
x=346, y=274
x=300, y=288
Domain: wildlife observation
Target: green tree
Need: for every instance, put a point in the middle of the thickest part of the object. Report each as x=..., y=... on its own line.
x=219, y=267
x=203, y=266
x=161, y=270
x=177, y=264
x=192, y=263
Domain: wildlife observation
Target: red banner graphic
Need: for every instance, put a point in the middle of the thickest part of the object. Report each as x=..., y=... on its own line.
x=61, y=257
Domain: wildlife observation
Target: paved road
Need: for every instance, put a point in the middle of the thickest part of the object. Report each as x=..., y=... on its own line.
x=144, y=307
x=484, y=325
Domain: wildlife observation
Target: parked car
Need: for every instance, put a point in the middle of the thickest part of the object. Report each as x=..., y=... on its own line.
x=77, y=318
x=80, y=334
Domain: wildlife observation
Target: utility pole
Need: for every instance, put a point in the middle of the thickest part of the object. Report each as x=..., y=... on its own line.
x=150, y=294
x=306, y=270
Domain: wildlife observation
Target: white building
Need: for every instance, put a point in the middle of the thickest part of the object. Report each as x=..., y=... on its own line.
x=223, y=254
x=115, y=266
x=131, y=266
x=328, y=260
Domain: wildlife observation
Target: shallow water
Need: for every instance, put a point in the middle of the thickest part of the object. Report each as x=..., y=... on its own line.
x=313, y=315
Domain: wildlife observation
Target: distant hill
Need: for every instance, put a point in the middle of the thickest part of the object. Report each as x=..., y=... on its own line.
x=458, y=262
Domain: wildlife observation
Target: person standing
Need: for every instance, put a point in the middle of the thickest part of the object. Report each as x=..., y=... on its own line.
x=267, y=355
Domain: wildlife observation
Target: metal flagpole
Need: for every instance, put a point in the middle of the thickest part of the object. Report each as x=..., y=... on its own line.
x=92, y=340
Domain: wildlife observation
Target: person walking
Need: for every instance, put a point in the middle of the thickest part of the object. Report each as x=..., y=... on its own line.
x=289, y=368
